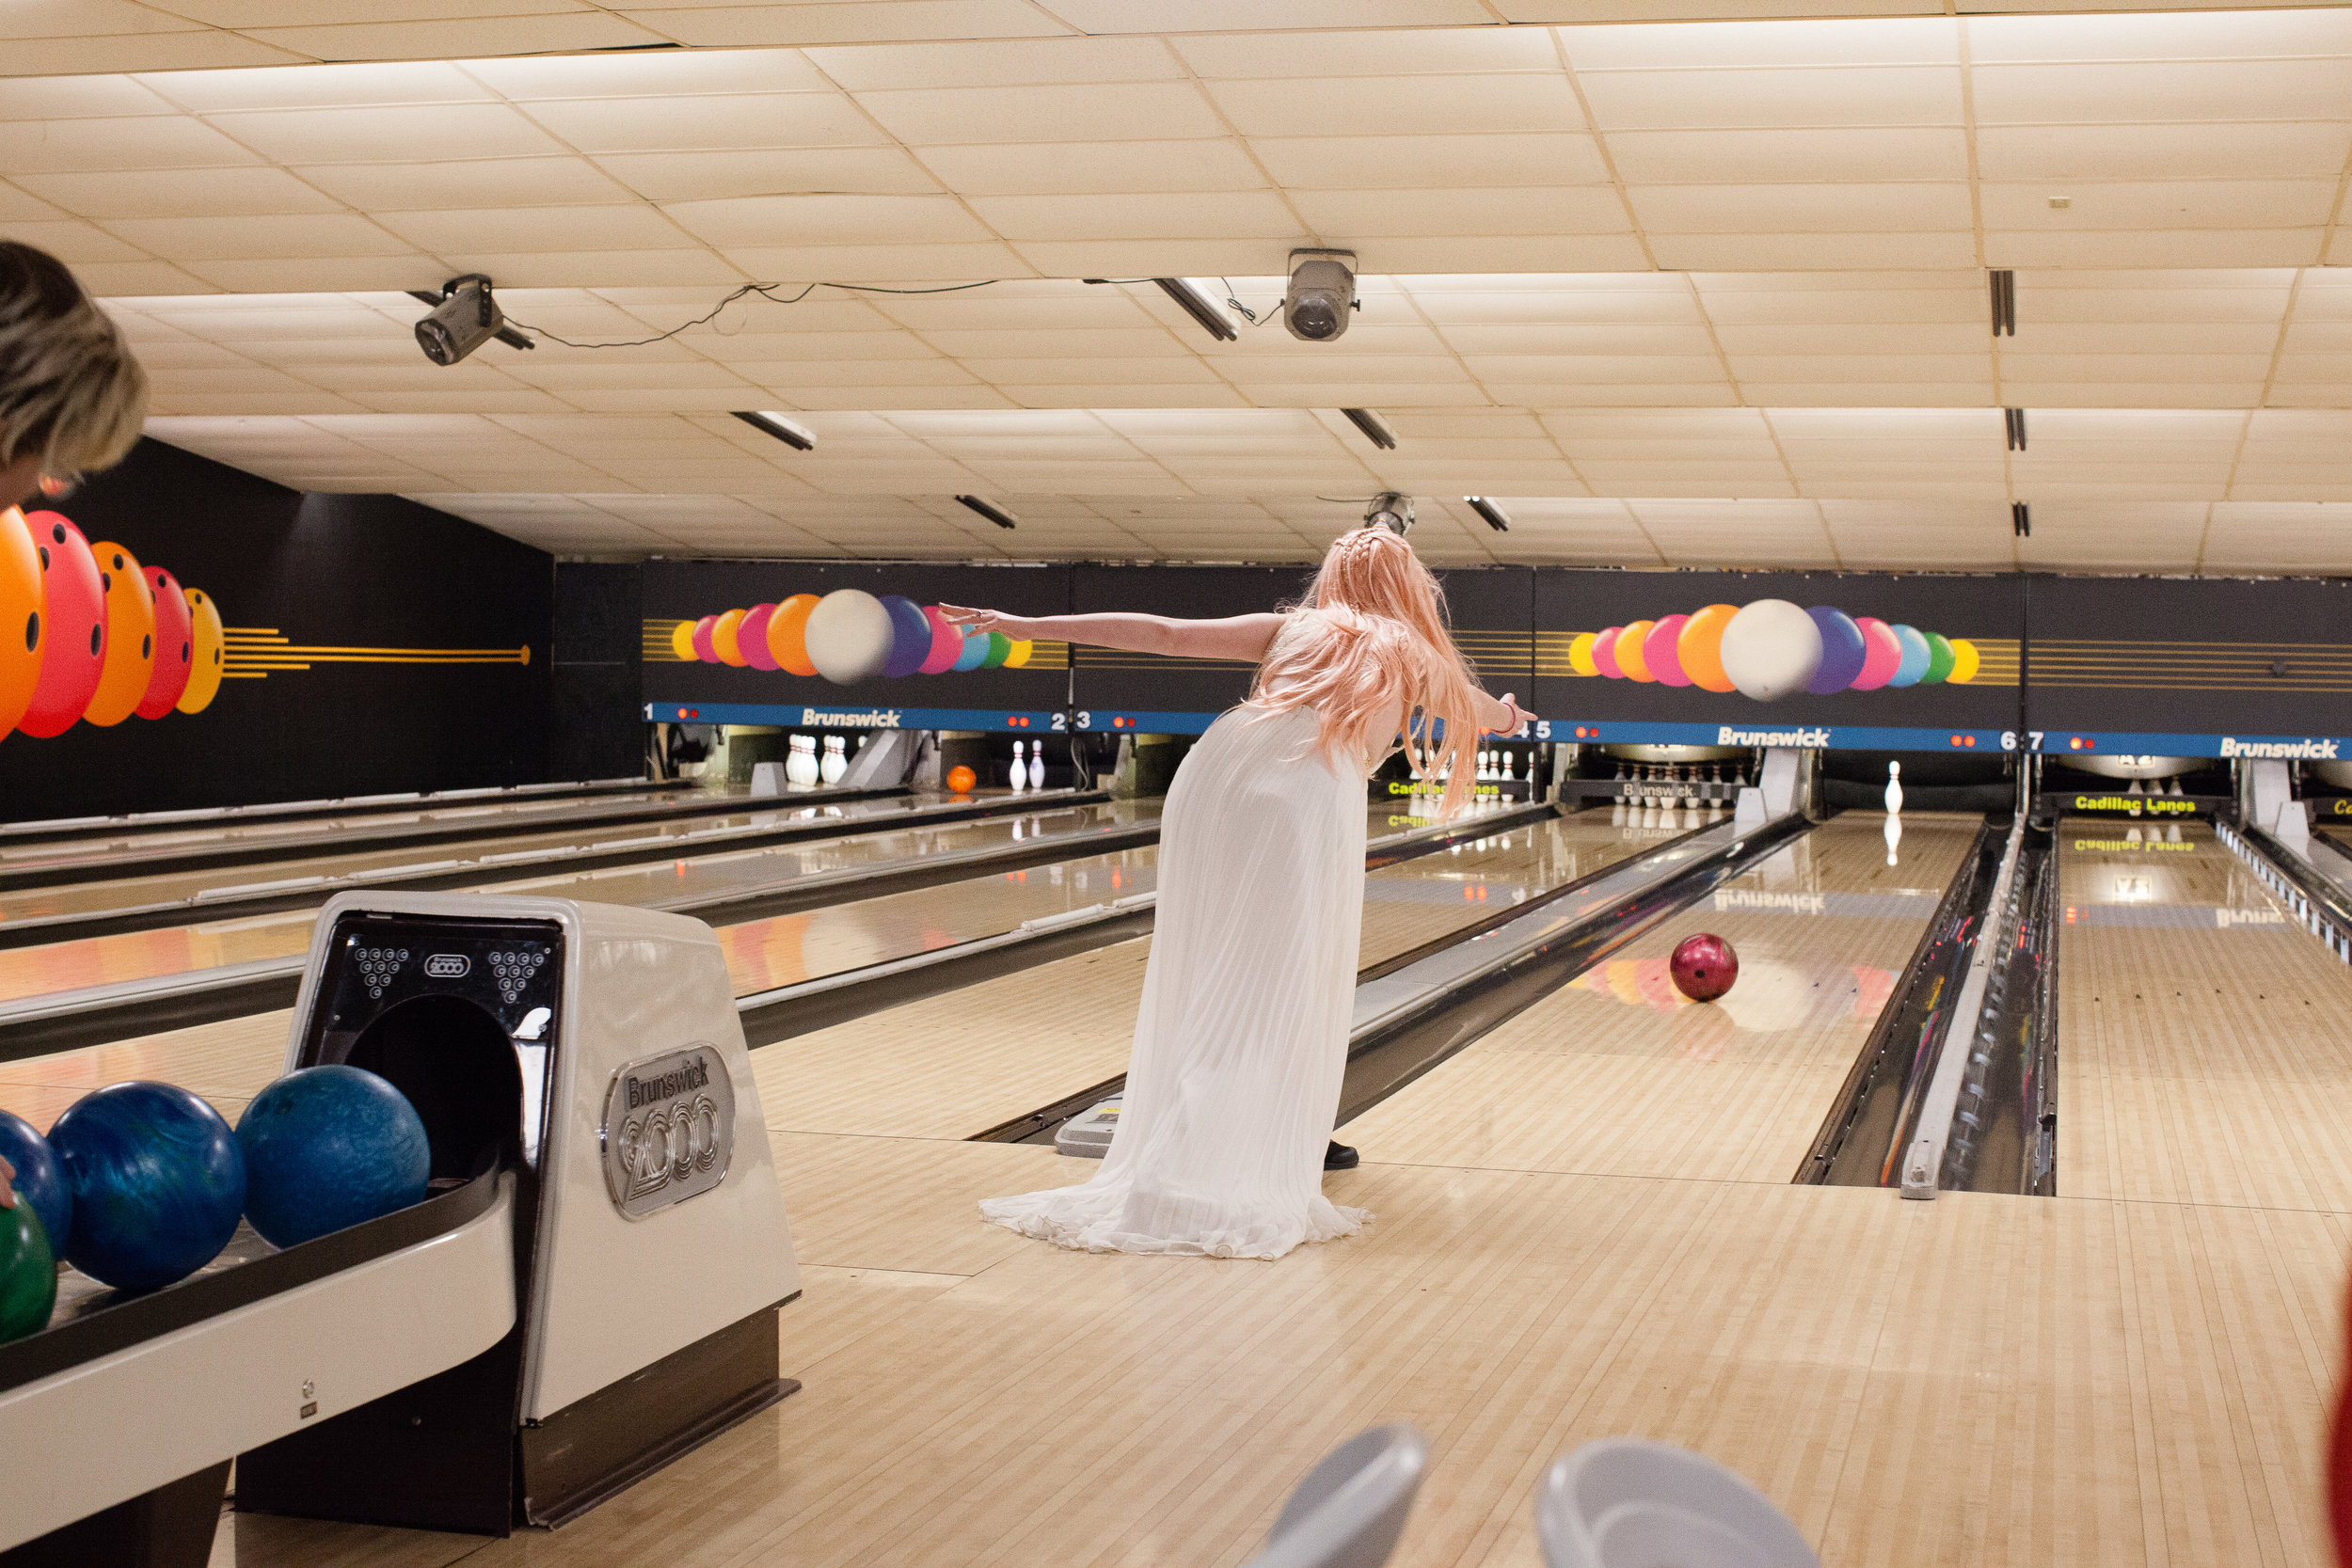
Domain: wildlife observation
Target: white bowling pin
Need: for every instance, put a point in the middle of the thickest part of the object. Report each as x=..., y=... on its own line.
x=1037, y=766
x=1894, y=835
x=1020, y=768
x=1894, y=789
x=837, y=761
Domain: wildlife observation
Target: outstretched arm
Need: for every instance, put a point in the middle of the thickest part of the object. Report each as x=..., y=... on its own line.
x=1241, y=638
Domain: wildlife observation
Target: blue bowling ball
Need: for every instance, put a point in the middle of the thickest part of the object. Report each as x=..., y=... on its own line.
x=38, y=1182
x=157, y=1183
x=327, y=1148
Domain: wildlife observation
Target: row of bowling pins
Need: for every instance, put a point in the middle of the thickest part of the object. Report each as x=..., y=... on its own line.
x=804, y=769
x=1654, y=813
x=1029, y=774
x=1659, y=785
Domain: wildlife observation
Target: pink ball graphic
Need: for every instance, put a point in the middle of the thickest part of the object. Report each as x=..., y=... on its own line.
x=750, y=637
x=1882, y=657
x=704, y=648
x=1660, y=651
x=946, y=643
x=1605, y=653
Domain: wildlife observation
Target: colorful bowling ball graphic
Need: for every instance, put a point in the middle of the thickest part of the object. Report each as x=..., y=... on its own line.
x=175, y=645
x=946, y=643
x=1701, y=647
x=1883, y=654
x=20, y=618
x=74, y=628
x=130, y=637
x=705, y=649
x=787, y=635
x=910, y=636
x=1580, y=653
x=1842, y=651
x=1913, y=667
x=975, y=652
x=1605, y=653
x=722, y=639
x=1662, y=651
x=850, y=636
x=1964, y=660
x=1770, y=648
x=1703, y=967
x=1630, y=657
x=204, y=664
x=1022, y=648
x=750, y=637
x=682, y=641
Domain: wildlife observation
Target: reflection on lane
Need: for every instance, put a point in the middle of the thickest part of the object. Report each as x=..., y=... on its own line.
x=172, y=887
x=183, y=949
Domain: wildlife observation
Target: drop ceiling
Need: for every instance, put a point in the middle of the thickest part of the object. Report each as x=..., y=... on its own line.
x=1707, y=293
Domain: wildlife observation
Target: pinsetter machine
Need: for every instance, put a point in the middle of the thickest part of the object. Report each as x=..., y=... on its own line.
x=590, y=1290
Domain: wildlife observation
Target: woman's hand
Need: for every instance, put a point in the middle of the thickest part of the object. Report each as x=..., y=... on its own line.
x=971, y=619
x=1513, y=718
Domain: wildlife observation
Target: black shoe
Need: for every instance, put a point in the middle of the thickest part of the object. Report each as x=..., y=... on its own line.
x=1339, y=1157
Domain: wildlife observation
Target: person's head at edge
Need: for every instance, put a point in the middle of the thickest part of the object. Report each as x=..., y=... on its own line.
x=73, y=397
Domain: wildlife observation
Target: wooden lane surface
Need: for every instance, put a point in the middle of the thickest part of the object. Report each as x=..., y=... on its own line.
x=952, y=1065
x=1618, y=1073
x=695, y=871
x=2205, y=1040
x=1984, y=1380
x=1053, y=1031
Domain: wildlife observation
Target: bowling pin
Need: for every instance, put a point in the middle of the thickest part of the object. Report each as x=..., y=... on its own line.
x=1894, y=789
x=1037, y=766
x=837, y=761
x=1020, y=767
x=2173, y=833
x=1894, y=835
x=2136, y=788
x=2175, y=790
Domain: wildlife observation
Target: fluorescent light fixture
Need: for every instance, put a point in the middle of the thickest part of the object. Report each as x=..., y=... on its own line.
x=1201, y=307
x=1376, y=429
x=1488, y=509
x=799, y=437
x=990, y=510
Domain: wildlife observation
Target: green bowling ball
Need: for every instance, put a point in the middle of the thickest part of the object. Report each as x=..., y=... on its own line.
x=1940, y=659
x=28, y=1272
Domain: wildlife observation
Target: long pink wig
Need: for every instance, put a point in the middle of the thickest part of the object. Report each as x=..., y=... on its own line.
x=1378, y=652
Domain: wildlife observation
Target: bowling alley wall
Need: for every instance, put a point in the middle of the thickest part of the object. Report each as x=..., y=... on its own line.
x=363, y=644
x=1957, y=664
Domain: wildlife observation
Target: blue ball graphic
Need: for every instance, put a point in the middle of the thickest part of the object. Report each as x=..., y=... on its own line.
x=39, y=1182
x=157, y=1183
x=1843, y=650
x=910, y=636
x=327, y=1148
x=1915, y=655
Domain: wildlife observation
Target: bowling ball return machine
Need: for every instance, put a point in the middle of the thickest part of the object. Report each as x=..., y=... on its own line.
x=590, y=1290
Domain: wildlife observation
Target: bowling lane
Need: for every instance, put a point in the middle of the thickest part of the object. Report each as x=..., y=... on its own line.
x=183, y=949
x=298, y=834
x=2205, y=1038
x=956, y=1065
x=1617, y=1075
x=951, y=1065
x=96, y=897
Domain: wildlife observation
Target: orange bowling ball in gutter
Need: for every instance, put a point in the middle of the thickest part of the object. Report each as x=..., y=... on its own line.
x=130, y=637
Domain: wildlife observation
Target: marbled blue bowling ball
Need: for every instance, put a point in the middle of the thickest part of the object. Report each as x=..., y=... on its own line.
x=327, y=1148
x=157, y=1183
x=39, y=1182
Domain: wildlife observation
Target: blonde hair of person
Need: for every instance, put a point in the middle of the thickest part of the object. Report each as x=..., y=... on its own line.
x=70, y=387
x=1378, y=648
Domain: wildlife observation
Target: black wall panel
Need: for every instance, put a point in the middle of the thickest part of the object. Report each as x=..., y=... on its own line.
x=594, y=730
x=382, y=585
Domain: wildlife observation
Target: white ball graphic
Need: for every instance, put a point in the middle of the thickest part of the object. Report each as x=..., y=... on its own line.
x=1771, y=649
x=848, y=636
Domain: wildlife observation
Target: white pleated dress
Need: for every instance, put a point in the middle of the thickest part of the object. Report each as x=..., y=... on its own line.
x=1241, y=1039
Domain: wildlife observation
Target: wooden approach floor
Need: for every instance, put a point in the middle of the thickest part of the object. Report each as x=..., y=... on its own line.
x=2132, y=1372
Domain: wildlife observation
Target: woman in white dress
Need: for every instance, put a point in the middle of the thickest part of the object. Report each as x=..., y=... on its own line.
x=1234, y=1080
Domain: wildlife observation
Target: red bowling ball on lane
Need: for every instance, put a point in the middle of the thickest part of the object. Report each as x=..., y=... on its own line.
x=1704, y=967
